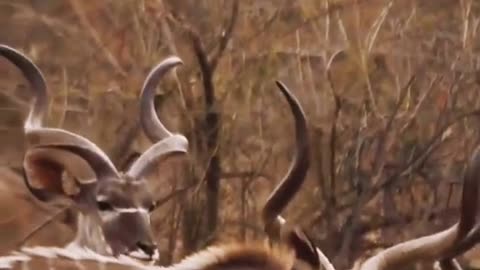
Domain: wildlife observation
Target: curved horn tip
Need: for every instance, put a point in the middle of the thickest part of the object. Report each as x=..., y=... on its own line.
x=183, y=140
x=298, y=112
x=285, y=90
x=157, y=72
x=172, y=60
x=7, y=48
x=281, y=85
x=10, y=50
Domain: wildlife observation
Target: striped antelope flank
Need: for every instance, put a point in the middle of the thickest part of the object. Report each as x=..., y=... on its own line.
x=110, y=203
x=246, y=256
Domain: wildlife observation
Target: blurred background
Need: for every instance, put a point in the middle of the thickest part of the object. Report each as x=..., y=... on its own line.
x=390, y=88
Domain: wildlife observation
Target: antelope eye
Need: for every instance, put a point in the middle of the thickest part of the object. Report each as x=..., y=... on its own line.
x=104, y=206
x=152, y=207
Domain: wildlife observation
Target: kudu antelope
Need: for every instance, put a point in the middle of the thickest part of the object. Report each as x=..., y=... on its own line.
x=113, y=206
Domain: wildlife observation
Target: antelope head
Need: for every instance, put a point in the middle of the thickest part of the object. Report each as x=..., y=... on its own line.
x=114, y=206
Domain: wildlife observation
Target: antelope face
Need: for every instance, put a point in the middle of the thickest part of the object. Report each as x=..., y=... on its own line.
x=123, y=208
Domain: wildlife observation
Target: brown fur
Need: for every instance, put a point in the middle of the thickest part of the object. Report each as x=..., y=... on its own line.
x=253, y=255
x=256, y=256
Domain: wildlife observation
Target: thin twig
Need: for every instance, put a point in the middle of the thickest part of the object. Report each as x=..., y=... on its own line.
x=42, y=225
x=225, y=36
x=79, y=11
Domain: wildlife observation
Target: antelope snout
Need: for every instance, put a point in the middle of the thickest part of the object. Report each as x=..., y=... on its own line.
x=148, y=248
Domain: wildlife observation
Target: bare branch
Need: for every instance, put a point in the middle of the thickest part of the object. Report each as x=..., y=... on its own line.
x=225, y=36
x=79, y=11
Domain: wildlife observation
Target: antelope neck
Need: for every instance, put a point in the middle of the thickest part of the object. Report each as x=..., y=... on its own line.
x=90, y=235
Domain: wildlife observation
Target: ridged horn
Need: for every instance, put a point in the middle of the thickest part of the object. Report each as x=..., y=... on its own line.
x=165, y=143
x=294, y=178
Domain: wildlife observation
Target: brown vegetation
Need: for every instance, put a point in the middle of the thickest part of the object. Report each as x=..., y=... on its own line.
x=390, y=90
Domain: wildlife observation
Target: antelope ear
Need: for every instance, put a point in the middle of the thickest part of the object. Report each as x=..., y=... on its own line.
x=45, y=169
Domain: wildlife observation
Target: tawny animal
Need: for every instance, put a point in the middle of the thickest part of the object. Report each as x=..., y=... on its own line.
x=110, y=203
x=291, y=249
